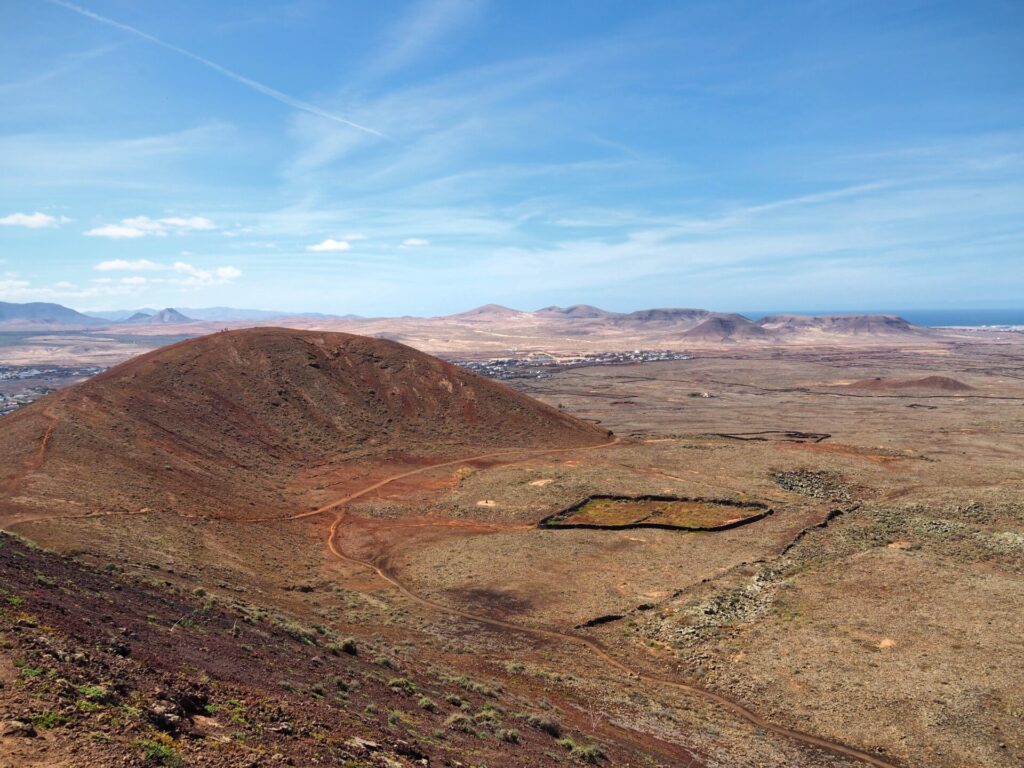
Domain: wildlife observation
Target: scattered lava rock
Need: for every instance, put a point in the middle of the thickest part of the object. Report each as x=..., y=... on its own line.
x=17, y=728
x=819, y=484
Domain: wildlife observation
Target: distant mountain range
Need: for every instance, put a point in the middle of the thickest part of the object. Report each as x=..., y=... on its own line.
x=216, y=314
x=496, y=330
x=43, y=314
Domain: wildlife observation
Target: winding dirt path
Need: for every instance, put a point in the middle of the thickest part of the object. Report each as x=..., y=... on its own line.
x=34, y=463
x=525, y=452
x=596, y=648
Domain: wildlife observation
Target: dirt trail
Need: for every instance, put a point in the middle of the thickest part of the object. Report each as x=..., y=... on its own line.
x=38, y=458
x=595, y=647
x=455, y=462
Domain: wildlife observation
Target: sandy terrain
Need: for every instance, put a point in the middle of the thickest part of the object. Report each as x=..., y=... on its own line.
x=874, y=610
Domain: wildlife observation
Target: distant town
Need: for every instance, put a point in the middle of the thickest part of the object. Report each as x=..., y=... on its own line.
x=21, y=384
x=539, y=366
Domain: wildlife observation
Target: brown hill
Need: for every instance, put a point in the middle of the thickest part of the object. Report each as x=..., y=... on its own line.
x=225, y=423
x=849, y=325
x=672, y=315
x=932, y=383
x=726, y=328
x=488, y=312
x=577, y=312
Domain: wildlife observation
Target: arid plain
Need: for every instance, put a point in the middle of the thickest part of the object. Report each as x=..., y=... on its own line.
x=870, y=617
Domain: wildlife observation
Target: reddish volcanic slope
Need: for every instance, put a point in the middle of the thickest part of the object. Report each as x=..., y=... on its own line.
x=224, y=422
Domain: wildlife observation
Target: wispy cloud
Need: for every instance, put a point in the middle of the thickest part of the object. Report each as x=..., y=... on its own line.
x=414, y=242
x=69, y=63
x=143, y=226
x=266, y=90
x=330, y=245
x=123, y=264
x=181, y=273
x=420, y=32
x=35, y=220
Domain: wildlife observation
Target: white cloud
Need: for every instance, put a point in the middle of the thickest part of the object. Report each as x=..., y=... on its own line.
x=266, y=90
x=35, y=220
x=330, y=245
x=122, y=264
x=115, y=232
x=413, y=242
x=184, y=274
x=197, y=277
x=143, y=226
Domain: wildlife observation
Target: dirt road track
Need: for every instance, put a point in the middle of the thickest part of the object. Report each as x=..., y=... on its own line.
x=596, y=648
x=38, y=458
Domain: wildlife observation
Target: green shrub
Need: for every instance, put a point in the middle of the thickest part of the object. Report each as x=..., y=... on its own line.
x=403, y=685
x=544, y=723
x=348, y=645
x=160, y=751
x=461, y=722
x=510, y=735
x=427, y=703
x=592, y=753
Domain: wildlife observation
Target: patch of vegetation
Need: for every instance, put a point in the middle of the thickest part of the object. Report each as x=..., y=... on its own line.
x=160, y=750
x=509, y=735
x=398, y=717
x=402, y=685
x=427, y=703
x=544, y=723
x=590, y=753
x=47, y=720
x=459, y=721
x=474, y=687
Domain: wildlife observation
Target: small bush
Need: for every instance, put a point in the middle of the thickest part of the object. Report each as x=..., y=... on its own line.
x=460, y=722
x=510, y=735
x=160, y=751
x=427, y=703
x=403, y=685
x=48, y=720
x=488, y=716
x=398, y=717
x=544, y=723
x=454, y=700
x=348, y=645
x=591, y=753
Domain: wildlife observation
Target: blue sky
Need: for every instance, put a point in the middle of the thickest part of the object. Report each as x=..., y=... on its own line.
x=425, y=157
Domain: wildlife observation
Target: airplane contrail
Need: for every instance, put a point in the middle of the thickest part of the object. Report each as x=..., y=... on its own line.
x=266, y=90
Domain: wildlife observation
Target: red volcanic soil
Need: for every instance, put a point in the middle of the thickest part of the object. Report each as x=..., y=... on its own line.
x=222, y=683
x=220, y=425
x=933, y=383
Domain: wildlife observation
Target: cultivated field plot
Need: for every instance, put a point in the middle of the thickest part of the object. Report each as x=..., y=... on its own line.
x=621, y=512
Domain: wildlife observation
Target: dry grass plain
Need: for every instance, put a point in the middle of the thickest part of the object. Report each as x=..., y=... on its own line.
x=878, y=606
